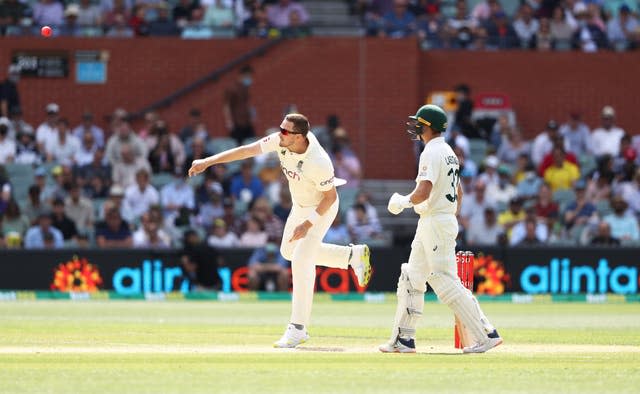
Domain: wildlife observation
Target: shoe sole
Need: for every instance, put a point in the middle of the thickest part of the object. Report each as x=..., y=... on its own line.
x=484, y=351
x=288, y=346
x=396, y=350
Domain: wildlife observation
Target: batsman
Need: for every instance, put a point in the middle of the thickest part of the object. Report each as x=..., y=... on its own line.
x=436, y=198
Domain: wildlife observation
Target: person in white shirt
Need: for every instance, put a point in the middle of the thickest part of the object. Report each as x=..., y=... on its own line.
x=140, y=196
x=47, y=129
x=62, y=147
x=606, y=138
x=150, y=235
x=315, y=204
x=436, y=198
x=220, y=237
x=7, y=145
x=543, y=143
x=87, y=149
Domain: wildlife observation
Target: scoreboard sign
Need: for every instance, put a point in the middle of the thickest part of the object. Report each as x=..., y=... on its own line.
x=42, y=63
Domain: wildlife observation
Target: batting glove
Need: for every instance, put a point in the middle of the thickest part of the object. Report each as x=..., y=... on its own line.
x=398, y=202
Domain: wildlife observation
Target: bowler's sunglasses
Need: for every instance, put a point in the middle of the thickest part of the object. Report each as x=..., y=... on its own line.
x=287, y=132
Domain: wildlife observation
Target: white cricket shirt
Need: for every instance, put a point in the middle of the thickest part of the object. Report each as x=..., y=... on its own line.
x=439, y=165
x=309, y=173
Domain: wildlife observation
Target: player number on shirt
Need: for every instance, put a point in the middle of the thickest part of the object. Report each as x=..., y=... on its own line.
x=455, y=178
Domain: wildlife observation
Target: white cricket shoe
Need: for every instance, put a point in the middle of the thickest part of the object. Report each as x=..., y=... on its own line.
x=360, y=263
x=398, y=346
x=493, y=340
x=292, y=337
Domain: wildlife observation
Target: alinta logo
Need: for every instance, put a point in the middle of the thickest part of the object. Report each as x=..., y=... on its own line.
x=76, y=274
x=491, y=277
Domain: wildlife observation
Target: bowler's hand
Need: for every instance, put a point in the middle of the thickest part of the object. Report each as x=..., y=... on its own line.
x=301, y=231
x=197, y=166
x=397, y=204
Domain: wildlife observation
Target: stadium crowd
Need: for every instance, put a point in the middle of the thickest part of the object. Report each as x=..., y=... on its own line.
x=460, y=24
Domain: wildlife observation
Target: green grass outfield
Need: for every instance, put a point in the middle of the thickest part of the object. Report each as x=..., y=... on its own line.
x=225, y=347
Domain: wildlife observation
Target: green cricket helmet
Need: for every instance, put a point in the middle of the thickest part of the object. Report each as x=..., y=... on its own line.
x=430, y=115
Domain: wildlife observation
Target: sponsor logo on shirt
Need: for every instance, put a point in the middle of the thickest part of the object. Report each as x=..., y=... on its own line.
x=291, y=174
x=328, y=181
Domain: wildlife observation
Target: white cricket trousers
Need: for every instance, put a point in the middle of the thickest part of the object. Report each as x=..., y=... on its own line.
x=433, y=249
x=308, y=252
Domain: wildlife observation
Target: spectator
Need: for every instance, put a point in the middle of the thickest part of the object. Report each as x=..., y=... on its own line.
x=462, y=120
x=182, y=11
x=400, y=22
x=219, y=15
x=176, y=195
x=543, y=39
x=466, y=164
x=60, y=221
x=124, y=171
x=623, y=30
x=504, y=190
x=47, y=129
x=48, y=13
x=483, y=229
x=500, y=131
x=119, y=28
x=268, y=270
x=86, y=151
x=474, y=204
x=460, y=27
x=546, y=209
x=212, y=208
x=12, y=13
x=296, y=28
x=79, y=209
x=246, y=186
x=114, y=231
x=200, y=263
x=89, y=15
x=561, y=28
x=140, y=196
x=234, y=224
x=34, y=205
x=150, y=235
x=483, y=10
x=589, y=37
x=258, y=24
x=630, y=193
x=363, y=229
x=347, y=167
x=603, y=236
x=7, y=144
x=547, y=160
x=190, y=131
x=62, y=178
x=490, y=175
x=95, y=178
x=9, y=95
x=220, y=237
x=63, y=147
x=563, y=173
x=431, y=28
x=36, y=235
x=606, y=138
x=526, y=26
x=543, y=143
x=162, y=25
x=162, y=157
x=123, y=135
x=576, y=134
x=527, y=181
x=500, y=32
x=512, y=147
x=254, y=236
x=520, y=231
x=114, y=200
x=338, y=233
x=237, y=110
x=284, y=205
x=26, y=149
x=599, y=188
x=580, y=211
x=531, y=236
x=511, y=216
x=624, y=226
x=364, y=199
x=70, y=26
x=278, y=14
x=273, y=225
x=87, y=125
x=14, y=222
x=17, y=124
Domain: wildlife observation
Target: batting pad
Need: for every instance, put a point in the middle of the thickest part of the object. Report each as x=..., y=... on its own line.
x=464, y=305
x=409, y=308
